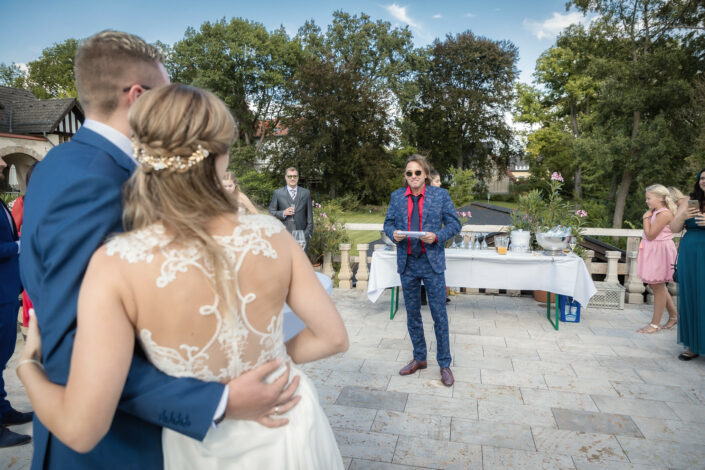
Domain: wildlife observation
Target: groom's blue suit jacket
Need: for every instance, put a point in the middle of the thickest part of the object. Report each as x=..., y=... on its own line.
x=73, y=204
x=438, y=216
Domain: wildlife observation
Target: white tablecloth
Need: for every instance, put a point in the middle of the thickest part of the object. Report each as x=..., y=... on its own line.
x=293, y=324
x=565, y=275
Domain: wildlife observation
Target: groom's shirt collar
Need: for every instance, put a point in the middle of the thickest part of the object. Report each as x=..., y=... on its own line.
x=115, y=137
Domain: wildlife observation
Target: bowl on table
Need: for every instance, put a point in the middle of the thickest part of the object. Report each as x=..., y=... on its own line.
x=553, y=243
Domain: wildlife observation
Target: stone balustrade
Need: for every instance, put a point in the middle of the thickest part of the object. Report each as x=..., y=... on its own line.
x=612, y=269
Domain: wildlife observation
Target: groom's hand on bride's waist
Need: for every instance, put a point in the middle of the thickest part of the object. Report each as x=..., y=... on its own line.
x=250, y=397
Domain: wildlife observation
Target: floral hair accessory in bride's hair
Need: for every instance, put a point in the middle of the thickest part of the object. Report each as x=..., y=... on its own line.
x=173, y=162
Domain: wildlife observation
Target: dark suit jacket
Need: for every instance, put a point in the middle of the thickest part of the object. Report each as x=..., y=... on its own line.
x=303, y=210
x=439, y=216
x=73, y=204
x=10, y=286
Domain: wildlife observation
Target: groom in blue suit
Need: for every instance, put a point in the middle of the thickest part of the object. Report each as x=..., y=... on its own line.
x=73, y=205
x=420, y=207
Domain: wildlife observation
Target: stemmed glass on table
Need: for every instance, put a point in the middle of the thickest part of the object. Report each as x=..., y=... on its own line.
x=300, y=238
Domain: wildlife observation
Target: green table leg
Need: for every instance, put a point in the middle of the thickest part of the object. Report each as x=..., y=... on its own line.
x=394, y=305
x=548, y=310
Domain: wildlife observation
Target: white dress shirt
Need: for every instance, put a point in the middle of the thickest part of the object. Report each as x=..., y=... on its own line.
x=115, y=137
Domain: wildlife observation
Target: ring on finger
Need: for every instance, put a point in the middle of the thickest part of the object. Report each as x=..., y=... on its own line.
x=276, y=410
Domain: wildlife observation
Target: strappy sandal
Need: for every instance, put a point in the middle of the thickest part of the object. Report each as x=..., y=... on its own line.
x=649, y=329
x=670, y=323
x=687, y=356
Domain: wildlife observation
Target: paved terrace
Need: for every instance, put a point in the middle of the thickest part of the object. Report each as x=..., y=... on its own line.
x=594, y=395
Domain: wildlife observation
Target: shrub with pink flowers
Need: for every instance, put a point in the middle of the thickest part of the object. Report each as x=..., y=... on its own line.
x=539, y=211
x=464, y=217
x=328, y=233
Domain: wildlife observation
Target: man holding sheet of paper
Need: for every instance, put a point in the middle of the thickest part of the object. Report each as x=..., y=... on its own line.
x=420, y=219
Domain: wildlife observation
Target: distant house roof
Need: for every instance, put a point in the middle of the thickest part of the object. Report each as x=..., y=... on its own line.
x=273, y=126
x=22, y=113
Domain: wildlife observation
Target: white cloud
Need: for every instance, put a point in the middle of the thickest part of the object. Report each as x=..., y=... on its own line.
x=438, y=16
x=550, y=27
x=470, y=15
x=399, y=13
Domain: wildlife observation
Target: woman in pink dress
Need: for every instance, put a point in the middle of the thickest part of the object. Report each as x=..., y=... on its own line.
x=657, y=253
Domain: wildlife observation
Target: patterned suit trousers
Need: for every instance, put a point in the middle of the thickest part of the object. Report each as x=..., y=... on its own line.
x=417, y=270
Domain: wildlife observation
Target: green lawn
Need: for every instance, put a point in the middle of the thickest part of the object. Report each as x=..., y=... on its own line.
x=362, y=216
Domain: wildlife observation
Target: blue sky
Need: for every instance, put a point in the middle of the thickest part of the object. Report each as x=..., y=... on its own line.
x=28, y=26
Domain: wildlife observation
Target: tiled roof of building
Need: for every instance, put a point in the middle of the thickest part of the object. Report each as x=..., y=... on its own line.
x=31, y=115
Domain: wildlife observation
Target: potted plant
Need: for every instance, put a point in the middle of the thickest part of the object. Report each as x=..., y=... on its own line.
x=327, y=234
x=539, y=213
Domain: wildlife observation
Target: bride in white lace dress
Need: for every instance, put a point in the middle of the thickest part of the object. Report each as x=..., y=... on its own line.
x=202, y=289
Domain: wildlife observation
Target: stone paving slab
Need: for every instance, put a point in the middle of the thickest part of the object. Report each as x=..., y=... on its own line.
x=604, y=423
x=513, y=436
x=593, y=395
x=361, y=397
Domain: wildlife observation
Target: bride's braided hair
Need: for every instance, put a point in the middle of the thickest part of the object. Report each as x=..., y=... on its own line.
x=180, y=120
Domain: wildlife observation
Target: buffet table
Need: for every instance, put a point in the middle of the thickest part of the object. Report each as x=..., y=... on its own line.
x=566, y=274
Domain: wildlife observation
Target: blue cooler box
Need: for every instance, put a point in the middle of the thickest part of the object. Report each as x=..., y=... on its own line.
x=569, y=308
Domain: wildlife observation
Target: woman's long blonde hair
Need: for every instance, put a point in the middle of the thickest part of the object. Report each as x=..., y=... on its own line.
x=175, y=120
x=669, y=196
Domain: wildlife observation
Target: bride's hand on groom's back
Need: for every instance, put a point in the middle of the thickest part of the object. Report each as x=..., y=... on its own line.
x=251, y=398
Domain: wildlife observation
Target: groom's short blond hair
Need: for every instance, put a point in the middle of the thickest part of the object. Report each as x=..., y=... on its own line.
x=110, y=61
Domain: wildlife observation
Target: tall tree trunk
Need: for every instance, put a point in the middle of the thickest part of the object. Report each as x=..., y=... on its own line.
x=613, y=187
x=626, y=175
x=621, y=201
x=578, y=171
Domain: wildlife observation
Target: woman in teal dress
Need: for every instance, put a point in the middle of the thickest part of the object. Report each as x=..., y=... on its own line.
x=691, y=272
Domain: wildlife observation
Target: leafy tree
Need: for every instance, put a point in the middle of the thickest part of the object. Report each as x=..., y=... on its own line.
x=245, y=65
x=12, y=75
x=51, y=75
x=465, y=88
x=337, y=135
x=461, y=187
x=646, y=83
x=338, y=121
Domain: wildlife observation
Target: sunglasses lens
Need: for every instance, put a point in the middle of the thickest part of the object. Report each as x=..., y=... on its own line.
x=418, y=172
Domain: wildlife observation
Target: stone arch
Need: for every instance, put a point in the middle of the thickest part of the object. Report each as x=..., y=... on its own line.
x=23, y=158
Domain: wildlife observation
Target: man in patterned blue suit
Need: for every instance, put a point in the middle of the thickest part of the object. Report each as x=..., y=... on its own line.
x=422, y=207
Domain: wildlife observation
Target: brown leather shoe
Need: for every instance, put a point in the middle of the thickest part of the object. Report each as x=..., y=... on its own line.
x=412, y=367
x=447, y=376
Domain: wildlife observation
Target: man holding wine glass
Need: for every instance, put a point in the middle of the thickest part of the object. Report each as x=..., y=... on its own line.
x=292, y=205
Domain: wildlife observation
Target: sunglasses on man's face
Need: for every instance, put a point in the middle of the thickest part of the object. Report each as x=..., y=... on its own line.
x=417, y=173
x=292, y=177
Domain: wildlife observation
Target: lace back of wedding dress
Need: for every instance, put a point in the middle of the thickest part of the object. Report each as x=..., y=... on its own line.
x=183, y=326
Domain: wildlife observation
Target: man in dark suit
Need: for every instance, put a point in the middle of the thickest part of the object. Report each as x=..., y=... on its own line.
x=74, y=203
x=292, y=205
x=420, y=207
x=10, y=288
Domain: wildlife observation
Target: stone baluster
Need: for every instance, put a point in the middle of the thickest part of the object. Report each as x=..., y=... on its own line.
x=345, y=274
x=612, y=265
x=328, y=264
x=635, y=287
x=632, y=245
x=588, y=255
x=362, y=274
